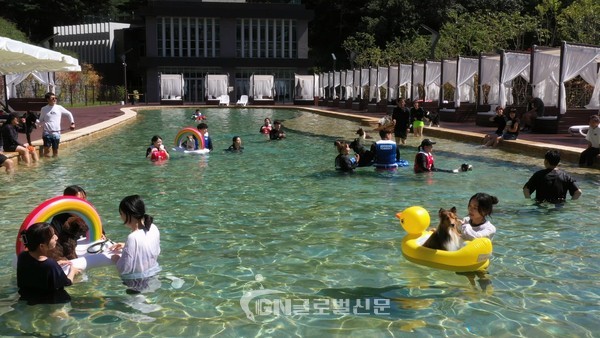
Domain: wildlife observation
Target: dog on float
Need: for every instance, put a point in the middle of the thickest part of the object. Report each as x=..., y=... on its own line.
x=70, y=231
x=446, y=236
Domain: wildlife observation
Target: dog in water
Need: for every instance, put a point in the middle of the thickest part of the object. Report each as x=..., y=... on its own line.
x=446, y=236
x=71, y=230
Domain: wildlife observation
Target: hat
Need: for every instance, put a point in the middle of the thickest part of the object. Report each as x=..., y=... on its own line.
x=427, y=142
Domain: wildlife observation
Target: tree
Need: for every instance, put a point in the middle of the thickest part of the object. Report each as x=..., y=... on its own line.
x=9, y=30
x=580, y=22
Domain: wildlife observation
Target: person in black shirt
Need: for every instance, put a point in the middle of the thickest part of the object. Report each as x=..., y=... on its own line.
x=401, y=118
x=551, y=184
x=276, y=133
x=491, y=140
x=40, y=279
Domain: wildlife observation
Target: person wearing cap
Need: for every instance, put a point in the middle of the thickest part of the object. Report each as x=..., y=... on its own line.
x=10, y=140
x=387, y=154
x=50, y=117
x=424, y=161
x=203, y=129
x=276, y=133
x=588, y=156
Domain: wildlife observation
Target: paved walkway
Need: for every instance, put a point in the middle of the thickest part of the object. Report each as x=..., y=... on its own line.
x=92, y=119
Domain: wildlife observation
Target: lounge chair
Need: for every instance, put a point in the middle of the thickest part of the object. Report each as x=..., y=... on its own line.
x=243, y=101
x=224, y=100
x=579, y=130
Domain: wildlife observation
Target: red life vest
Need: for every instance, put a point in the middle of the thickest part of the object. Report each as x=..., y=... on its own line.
x=159, y=155
x=428, y=163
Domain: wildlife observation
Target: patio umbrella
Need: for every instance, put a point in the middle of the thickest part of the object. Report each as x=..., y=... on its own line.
x=19, y=57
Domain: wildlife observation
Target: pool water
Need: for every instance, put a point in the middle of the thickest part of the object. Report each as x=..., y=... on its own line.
x=274, y=242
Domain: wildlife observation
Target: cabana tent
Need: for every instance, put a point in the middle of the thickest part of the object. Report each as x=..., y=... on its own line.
x=348, y=83
x=418, y=79
x=512, y=65
x=405, y=79
x=433, y=71
x=393, y=75
x=262, y=87
x=545, y=74
x=580, y=60
x=305, y=88
x=171, y=88
x=216, y=85
x=18, y=60
x=489, y=74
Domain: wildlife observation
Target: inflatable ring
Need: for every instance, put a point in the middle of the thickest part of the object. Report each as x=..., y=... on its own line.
x=475, y=255
x=183, y=134
x=63, y=204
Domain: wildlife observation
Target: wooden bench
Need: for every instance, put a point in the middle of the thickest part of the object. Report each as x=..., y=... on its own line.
x=449, y=113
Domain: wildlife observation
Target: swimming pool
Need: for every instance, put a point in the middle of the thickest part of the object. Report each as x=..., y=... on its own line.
x=278, y=225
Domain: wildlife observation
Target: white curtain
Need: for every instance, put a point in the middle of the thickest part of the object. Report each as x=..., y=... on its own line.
x=382, y=80
x=545, y=73
x=418, y=78
x=12, y=80
x=449, y=68
x=337, y=81
x=356, y=82
x=513, y=65
x=405, y=78
x=364, y=81
x=171, y=86
x=575, y=61
x=432, y=80
x=216, y=85
x=490, y=75
x=465, y=80
x=373, y=89
x=589, y=76
x=393, y=83
x=305, y=87
x=262, y=86
x=348, y=84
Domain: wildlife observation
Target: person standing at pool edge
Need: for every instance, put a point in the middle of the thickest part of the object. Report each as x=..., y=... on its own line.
x=50, y=117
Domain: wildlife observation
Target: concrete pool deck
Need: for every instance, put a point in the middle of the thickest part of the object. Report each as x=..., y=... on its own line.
x=97, y=120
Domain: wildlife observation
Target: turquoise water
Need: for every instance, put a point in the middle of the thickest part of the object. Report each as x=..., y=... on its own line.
x=278, y=218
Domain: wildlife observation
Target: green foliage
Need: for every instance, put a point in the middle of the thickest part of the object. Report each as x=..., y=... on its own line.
x=580, y=22
x=407, y=50
x=10, y=30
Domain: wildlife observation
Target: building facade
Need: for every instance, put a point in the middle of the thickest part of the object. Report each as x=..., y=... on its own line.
x=238, y=38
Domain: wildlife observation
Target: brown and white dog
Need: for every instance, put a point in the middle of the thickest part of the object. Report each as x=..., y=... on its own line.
x=446, y=236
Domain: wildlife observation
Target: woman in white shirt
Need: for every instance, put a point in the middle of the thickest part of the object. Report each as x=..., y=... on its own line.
x=137, y=263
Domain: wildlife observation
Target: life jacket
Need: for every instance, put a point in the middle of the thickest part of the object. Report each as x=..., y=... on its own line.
x=158, y=155
x=428, y=164
x=385, y=154
x=265, y=129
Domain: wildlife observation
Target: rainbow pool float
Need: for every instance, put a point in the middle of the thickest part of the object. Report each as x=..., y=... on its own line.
x=182, y=136
x=475, y=255
x=76, y=206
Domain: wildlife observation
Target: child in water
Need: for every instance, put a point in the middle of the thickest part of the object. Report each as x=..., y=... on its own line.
x=476, y=225
x=345, y=162
x=189, y=143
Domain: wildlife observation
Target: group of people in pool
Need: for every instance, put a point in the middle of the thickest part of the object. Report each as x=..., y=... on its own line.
x=41, y=279
x=385, y=155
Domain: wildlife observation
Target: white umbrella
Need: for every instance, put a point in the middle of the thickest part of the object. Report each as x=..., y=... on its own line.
x=19, y=57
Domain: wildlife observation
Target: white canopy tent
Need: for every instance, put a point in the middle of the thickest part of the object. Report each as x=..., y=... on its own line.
x=216, y=85
x=262, y=87
x=349, y=84
x=19, y=57
x=467, y=68
x=394, y=74
x=171, y=87
x=306, y=87
x=580, y=60
x=405, y=79
x=489, y=75
x=545, y=69
x=18, y=60
x=512, y=64
x=433, y=71
x=418, y=78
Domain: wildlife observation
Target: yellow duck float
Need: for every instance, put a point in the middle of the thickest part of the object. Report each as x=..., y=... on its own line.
x=475, y=255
